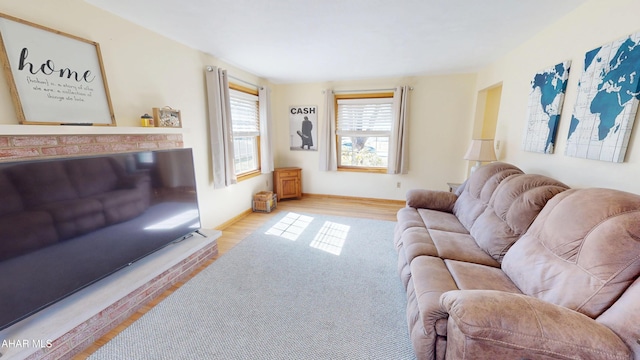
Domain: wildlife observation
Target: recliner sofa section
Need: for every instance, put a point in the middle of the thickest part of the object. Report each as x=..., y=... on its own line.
x=530, y=270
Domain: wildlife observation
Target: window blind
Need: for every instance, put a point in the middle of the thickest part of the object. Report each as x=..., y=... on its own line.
x=373, y=116
x=245, y=116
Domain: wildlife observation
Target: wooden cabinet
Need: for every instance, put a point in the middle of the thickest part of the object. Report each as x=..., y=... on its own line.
x=287, y=182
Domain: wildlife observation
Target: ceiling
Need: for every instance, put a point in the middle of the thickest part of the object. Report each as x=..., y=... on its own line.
x=295, y=41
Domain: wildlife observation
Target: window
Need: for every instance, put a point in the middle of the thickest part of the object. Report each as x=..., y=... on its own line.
x=246, y=130
x=363, y=129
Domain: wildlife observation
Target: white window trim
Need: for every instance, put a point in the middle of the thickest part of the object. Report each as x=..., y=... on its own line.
x=363, y=133
x=241, y=95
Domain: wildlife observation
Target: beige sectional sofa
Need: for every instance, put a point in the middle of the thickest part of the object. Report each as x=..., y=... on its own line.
x=519, y=266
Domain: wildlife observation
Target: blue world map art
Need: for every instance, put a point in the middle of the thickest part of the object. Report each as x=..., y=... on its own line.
x=605, y=109
x=545, y=105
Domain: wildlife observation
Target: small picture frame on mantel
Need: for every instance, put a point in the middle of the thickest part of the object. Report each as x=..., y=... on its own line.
x=167, y=117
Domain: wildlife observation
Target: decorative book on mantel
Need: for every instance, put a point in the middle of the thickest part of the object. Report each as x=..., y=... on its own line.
x=167, y=117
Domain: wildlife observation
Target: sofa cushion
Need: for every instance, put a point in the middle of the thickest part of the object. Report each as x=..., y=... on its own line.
x=42, y=182
x=581, y=252
x=416, y=242
x=512, y=207
x=438, y=220
x=478, y=190
x=407, y=218
x=461, y=247
x=470, y=276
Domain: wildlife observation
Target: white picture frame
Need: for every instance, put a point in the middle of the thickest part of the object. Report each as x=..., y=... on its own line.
x=54, y=78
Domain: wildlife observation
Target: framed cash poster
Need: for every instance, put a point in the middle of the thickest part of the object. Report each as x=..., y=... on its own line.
x=303, y=127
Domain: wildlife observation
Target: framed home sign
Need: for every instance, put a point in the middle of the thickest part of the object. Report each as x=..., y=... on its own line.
x=54, y=78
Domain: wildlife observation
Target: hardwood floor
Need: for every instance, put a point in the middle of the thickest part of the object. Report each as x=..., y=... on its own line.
x=236, y=230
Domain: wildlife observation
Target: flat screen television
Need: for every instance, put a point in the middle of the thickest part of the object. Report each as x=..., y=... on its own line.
x=67, y=223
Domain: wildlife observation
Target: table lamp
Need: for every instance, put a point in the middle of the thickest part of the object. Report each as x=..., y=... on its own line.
x=480, y=150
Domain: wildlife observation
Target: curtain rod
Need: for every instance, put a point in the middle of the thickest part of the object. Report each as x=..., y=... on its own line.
x=210, y=68
x=361, y=90
x=244, y=81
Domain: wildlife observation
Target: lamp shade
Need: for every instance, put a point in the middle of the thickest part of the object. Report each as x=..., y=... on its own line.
x=481, y=150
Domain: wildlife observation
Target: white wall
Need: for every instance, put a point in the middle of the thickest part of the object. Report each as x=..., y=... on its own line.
x=593, y=24
x=144, y=70
x=440, y=112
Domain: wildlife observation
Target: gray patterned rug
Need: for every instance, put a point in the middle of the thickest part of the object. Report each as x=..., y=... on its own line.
x=300, y=287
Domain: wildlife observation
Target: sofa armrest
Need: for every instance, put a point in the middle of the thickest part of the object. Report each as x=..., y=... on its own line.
x=514, y=325
x=431, y=199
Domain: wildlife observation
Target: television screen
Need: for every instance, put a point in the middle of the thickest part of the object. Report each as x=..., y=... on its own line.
x=66, y=223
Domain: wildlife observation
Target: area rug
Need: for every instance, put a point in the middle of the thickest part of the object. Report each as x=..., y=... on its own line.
x=301, y=287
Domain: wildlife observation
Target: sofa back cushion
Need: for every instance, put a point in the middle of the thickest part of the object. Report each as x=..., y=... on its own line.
x=512, y=208
x=11, y=201
x=92, y=176
x=581, y=252
x=41, y=183
x=475, y=196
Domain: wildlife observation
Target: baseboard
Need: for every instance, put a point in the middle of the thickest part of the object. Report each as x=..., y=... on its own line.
x=234, y=219
x=355, y=198
x=246, y=213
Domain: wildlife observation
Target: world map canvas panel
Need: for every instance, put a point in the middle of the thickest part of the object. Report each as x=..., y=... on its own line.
x=545, y=105
x=607, y=102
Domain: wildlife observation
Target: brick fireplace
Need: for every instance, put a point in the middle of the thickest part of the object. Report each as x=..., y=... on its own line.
x=43, y=146
x=155, y=274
